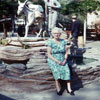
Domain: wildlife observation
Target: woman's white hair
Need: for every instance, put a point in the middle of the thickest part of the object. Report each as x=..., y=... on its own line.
x=55, y=29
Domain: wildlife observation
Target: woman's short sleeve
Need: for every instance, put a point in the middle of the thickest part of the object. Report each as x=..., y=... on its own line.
x=48, y=43
x=64, y=43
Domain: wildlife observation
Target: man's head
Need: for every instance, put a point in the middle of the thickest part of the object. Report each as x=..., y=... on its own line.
x=74, y=16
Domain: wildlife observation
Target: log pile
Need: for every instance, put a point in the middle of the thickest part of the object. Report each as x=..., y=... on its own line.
x=28, y=70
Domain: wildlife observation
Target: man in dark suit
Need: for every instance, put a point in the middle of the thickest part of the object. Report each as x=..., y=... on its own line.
x=75, y=30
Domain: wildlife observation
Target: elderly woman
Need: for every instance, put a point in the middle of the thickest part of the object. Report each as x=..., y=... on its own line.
x=57, y=60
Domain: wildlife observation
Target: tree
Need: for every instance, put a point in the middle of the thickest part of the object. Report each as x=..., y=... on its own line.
x=79, y=6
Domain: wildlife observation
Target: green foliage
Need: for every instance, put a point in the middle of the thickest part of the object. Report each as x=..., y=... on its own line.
x=7, y=7
x=4, y=42
x=81, y=7
x=3, y=8
x=40, y=2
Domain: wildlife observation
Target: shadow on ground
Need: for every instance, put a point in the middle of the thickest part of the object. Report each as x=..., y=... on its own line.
x=76, y=82
x=2, y=97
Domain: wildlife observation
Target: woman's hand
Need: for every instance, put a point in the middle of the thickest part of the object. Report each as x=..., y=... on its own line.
x=60, y=63
x=64, y=62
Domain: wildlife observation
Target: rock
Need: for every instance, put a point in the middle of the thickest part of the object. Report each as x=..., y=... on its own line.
x=38, y=56
x=33, y=65
x=37, y=60
x=36, y=74
x=2, y=77
x=15, y=69
x=2, y=68
x=17, y=66
x=13, y=73
x=30, y=44
x=36, y=68
x=27, y=39
x=39, y=75
x=12, y=53
x=85, y=76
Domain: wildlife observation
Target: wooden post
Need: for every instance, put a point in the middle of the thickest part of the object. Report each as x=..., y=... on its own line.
x=4, y=27
x=4, y=30
x=84, y=32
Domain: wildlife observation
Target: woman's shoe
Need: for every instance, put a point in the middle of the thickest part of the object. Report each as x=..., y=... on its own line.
x=71, y=93
x=59, y=93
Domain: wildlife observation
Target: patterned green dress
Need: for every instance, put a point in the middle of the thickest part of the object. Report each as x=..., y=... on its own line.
x=58, y=52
